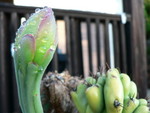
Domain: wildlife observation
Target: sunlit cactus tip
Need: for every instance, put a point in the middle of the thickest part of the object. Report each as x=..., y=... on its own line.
x=34, y=47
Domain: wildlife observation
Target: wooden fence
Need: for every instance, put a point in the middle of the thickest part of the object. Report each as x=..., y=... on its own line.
x=79, y=36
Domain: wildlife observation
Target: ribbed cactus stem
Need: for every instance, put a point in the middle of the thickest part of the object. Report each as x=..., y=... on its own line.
x=34, y=48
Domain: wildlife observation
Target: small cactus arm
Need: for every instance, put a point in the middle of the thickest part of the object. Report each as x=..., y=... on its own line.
x=34, y=46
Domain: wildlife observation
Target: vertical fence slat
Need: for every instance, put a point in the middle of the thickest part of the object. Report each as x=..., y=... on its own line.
x=116, y=44
x=138, y=45
x=85, y=53
x=76, y=47
x=68, y=43
x=107, y=46
x=79, y=47
x=4, y=70
x=55, y=61
x=73, y=46
x=88, y=21
x=98, y=41
x=1, y=57
x=102, y=45
x=128, y=48
x=123, y=48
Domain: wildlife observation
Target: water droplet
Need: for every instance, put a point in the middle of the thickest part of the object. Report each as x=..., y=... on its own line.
x=31, y=15
x=35, y=71
x=16, y=39
x=44, y=47
x=19, y=47
x=12, y=49
x=45, y=7
x=44, y=41
x=32, y=23
x=41, y=69
x=42, y=50
x=24, y=22
x=16, y=33
x=15, y=49
x=37, y=10
x=45, y=32
x=52, y=47
x=19, y=30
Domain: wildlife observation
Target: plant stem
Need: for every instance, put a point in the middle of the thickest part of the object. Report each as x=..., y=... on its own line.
x=29, y=89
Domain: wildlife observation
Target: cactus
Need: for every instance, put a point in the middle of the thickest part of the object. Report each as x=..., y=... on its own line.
x=113, y=92
x=34, y=46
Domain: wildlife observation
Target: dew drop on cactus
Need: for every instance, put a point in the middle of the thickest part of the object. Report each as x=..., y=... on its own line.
x=18, y=47
x=31, y=14
x=37, y=10
x=24, y=22
x=41, y=69
x=52, y=48
x=33, y=22
x=42, y=49
x=45, y=7
x=19, y=30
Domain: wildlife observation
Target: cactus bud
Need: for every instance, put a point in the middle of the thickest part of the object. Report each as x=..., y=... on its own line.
x=34, y=48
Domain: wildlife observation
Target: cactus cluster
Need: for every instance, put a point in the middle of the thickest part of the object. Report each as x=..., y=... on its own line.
x=113, y=92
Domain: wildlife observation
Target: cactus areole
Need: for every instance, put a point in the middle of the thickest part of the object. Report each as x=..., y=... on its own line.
x=34, y=46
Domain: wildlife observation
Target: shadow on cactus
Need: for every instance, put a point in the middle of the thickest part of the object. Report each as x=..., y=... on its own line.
x=34, y=47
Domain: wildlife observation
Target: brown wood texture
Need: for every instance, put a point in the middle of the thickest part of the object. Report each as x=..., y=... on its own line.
x=7, y=1
x=76, y=47
x=4, y=65
x=88, y=21
x=98, y=40
x=68, y=43
x=138, y=45
x=123, y=56
x=116, y=44
x=106, y=38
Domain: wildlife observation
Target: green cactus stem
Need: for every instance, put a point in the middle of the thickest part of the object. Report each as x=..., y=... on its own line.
x=34, y=47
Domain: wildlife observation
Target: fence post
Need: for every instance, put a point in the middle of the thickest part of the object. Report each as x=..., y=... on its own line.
x=137, y=44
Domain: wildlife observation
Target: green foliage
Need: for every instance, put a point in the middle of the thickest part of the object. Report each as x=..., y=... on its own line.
x=147, y=17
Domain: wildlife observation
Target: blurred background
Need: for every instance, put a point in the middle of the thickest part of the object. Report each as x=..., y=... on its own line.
x=104, y=6
x=92, y=35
